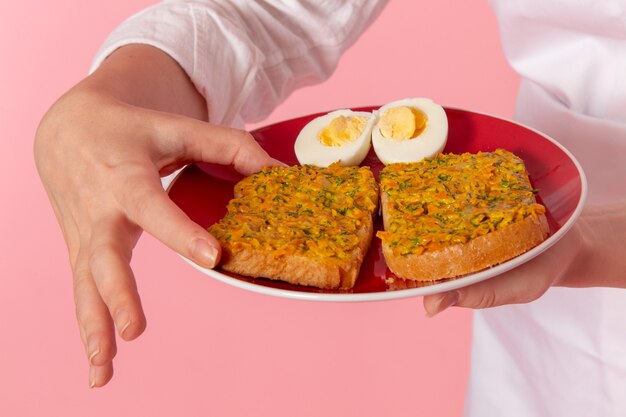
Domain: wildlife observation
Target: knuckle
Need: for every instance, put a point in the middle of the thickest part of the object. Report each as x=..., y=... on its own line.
x=99, y=254
x=486, y=299
x=248, y=154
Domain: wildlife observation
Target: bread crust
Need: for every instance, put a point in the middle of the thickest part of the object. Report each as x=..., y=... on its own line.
x=300, y=270
x=470, y=252
x=302, y=225
x=475, y=255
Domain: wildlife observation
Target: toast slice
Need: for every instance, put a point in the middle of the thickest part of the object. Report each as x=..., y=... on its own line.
x=303, y=225
x=452, y=215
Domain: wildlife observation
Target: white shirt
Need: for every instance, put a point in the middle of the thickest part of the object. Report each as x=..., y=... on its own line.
x=563, y=355
x=245, y=56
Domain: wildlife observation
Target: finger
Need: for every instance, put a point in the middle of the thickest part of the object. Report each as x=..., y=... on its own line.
x=99, y=376
x=520, y=285
x=435, y=304
x=200, y=141
x=94, y=321
x=109, y=261
x=149, y=206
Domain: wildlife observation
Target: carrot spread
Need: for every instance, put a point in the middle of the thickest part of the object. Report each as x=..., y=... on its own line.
x=452, y=198
x=300, y=210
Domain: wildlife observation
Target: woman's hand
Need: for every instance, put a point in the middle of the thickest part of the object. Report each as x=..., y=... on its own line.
x=520, y=285
x=588, y=255
x=100, y=151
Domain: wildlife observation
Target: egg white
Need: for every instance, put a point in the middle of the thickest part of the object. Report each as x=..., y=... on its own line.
x=427, y=144
x=309, y=149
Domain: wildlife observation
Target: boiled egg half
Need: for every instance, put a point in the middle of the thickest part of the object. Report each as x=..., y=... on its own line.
x=342, y=136
x=410, y=130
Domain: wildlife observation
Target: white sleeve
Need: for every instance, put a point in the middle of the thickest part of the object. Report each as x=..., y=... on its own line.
x=572, y=59
x=245, y=57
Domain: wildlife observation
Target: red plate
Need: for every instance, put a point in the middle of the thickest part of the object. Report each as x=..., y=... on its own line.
x=203, y=191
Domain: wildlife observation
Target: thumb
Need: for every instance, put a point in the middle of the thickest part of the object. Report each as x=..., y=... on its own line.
x=197, y=141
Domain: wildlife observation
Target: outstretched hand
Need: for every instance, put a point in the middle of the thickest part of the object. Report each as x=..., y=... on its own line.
x=101, y=160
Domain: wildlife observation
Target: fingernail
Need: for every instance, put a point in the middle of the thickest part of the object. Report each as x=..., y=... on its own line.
x=122, y=322
x=93, y=347
x=204, y=253
x=448, y=300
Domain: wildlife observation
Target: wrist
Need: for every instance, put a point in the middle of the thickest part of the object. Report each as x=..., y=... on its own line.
x=144, y=76
x=595, y=249
x=575, y=252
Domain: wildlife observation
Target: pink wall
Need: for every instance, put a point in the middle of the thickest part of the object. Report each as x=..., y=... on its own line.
x=211, y=349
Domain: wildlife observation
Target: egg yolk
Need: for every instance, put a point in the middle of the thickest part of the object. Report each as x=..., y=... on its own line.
x=342, y=130
x=402, y=123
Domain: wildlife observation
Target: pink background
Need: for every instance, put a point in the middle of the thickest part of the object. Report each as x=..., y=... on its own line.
x=211, y=349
